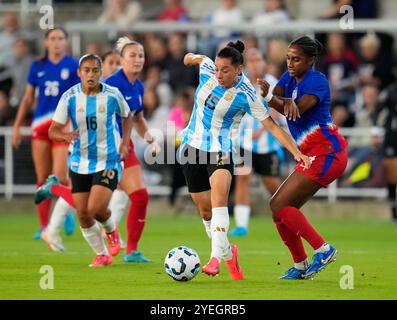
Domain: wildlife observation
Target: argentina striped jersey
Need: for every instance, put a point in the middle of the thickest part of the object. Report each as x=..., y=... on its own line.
x=96, y=149
x=217, y=111
x=266, y=142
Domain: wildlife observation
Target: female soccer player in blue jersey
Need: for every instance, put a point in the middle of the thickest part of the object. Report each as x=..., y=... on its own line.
x=92, y=107
x=132, y=59
x=206, y=154
x=52, y=75
x=310, y=124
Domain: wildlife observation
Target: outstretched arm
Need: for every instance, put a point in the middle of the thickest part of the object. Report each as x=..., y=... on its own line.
x=192, y=59
x=286, y=141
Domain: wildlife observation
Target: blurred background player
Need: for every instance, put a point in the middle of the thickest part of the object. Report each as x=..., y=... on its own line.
x=223, y=96
x=258, y=145
x=310, y=123
x=92, y=107
x=132, y=59
x=110, y=64
x=52, y=75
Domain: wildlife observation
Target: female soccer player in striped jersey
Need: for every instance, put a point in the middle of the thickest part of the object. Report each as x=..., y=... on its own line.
x=310, y=124
x=52, y=75
x=92, y=107
x=223, y=96
x=131, y=184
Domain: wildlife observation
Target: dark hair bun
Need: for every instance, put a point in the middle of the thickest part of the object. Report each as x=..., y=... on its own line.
x=238, y=45
x=319, y=46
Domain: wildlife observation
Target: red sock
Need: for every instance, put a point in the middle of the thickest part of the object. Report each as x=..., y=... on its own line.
x=43, y=209
x=136, y=218
x=63, y=192
x=296, y=221
x=292, y=241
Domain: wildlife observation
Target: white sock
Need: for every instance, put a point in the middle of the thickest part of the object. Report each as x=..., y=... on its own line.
x=303, y=265
x=94, y=238
x=207, y=225
x=118, y=204
x=242, y=215
x=323, y=248
x=58, y=216
x=219, y=230
x=109, y=225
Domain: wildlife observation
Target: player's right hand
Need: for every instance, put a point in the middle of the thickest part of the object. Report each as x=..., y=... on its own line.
x=265, y=87
x=306, y=160
x=71, y=136
x=16, y=137
x=291, y=110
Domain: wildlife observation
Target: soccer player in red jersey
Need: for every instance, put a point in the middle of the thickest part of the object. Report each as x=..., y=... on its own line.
x=311, y=126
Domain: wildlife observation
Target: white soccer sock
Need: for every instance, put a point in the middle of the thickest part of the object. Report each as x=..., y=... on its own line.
x=109, y=225
x=242, y=215
x=94, y=238
x=303, y=265
x=118, y=204
x=207, y=225
x=58, y=216
x=219, y=229
x=323, y=248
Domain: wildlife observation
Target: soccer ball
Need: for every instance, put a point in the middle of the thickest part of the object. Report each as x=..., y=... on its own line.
x=182, y=263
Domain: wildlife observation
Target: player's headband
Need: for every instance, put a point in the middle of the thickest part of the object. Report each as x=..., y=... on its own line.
x=89, y=57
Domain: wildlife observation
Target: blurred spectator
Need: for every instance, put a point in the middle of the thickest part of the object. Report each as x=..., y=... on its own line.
x=156, y=50
x=20, y=70
x=363, y=9
x=179, y=76
x=364, y=151
x=94, y=48
x=340, y=115
x=250, y=42
x=5, y=110
x=7, y=54
x=338, y=65
x=121, y=12
x=276, y=54
x=110, y=63
x=163, y=89
x=173, y=11
x=227, y=14
x=154, y=113
x=275, y=13
x=375, y=66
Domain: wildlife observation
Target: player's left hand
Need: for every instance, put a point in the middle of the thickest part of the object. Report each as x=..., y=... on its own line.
x=291, y=110
x=306, y=160
x=123, y=151
x=155, y=148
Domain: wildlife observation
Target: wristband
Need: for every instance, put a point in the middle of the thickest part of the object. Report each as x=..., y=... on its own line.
x=269, y=96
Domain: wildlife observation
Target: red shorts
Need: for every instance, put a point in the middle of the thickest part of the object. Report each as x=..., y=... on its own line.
x=41, y=133
x=325, y=168
x=132, y=160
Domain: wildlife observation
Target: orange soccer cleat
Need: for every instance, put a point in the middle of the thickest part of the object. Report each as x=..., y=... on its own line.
x=234, y=269
x=212, y=267
x=101, y=261
x=114, y=242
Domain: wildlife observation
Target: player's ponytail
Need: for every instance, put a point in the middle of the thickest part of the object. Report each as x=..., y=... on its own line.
x=123, y=43
x=234, y=51
x=311, y=47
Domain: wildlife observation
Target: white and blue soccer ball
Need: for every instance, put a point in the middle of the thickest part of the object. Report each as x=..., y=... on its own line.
x=182, y=263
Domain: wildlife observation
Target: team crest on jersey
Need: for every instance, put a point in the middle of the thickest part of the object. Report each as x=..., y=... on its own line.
x=65, y=74
x=80, y=109
x=210, y=85
x=294, y=94
x=229, y=96
x=101, y=109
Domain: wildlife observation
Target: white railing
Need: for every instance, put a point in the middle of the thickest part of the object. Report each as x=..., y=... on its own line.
x=9, y=188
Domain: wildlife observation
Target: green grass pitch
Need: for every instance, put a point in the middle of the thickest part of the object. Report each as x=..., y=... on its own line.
x=368, y=245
